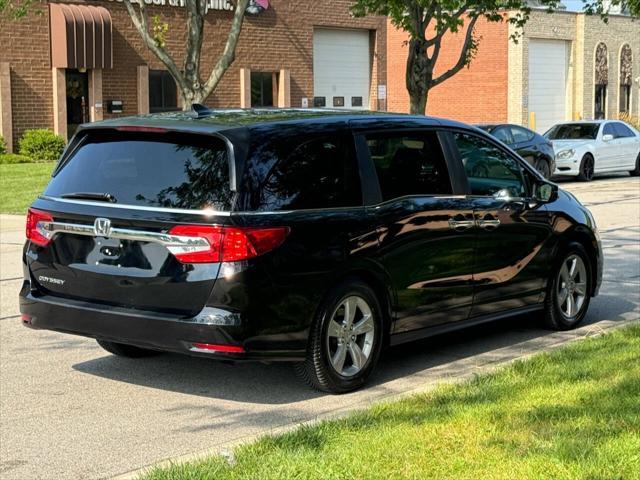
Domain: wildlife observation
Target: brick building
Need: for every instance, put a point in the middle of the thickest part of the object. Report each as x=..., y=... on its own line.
x=82, y=61
x=566, y=66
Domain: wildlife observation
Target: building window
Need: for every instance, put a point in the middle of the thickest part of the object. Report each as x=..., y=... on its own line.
x=262, y=89
x=163, y=94
x=601, y=81
x=626, y=74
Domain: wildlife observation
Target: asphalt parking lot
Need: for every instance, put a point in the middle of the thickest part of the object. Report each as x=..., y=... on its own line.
x=70, y=410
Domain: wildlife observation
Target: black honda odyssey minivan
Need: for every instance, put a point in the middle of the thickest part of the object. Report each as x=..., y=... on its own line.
x=315, y=237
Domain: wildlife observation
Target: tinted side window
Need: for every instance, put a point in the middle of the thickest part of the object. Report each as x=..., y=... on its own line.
x=312, y=173
x=503, y=135
x=609, y=130
x=490, y=170
x=622, y=131
x=521, y=135
x=409, y=164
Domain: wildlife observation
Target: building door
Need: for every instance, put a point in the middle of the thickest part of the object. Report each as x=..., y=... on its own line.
x=548, y=68
x=341, y=68
x=77, y=99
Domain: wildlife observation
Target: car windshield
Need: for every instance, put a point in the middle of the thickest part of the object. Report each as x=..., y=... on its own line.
x=573, y=131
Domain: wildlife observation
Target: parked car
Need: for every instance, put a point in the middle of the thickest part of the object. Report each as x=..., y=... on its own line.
x=302, y=236
x=531, y=146
x=586, y=148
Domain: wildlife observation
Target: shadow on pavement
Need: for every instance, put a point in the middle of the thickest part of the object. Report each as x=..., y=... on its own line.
x=277, y=384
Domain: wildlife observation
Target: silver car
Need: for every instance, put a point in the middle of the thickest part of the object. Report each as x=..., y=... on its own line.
x=586, y=148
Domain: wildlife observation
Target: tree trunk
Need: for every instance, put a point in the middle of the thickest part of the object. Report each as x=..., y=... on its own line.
x=419, y=75
x=418, y=103
x=189, y=97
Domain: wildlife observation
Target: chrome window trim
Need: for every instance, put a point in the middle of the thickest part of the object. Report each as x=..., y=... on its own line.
x=201, y=212
x=205, y=212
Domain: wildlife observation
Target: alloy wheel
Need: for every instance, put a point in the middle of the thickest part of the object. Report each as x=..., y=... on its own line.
x=587, y=169
x=572, y=286
x=350, y=336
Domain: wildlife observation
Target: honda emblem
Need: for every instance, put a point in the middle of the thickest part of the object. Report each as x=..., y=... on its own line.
x=102, y=227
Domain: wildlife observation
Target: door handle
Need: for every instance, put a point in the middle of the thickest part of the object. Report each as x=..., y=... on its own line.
x=461, y=225
x=489, y=224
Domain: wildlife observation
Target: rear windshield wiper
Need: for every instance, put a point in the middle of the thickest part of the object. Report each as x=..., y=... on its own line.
x=101, y=197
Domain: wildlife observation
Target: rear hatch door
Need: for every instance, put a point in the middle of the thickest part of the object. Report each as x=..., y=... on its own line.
x=127, y=220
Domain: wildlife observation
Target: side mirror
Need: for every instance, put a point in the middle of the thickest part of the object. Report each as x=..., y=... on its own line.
x=607, y=137
x=547, y=192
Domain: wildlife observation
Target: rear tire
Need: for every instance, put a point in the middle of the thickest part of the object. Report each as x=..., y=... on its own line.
x=345, y=339
x=128, y=351
x=568, y=290
x=636, y=171
x=587, y=168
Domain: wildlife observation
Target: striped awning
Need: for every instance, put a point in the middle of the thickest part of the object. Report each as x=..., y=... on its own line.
x=81, y=36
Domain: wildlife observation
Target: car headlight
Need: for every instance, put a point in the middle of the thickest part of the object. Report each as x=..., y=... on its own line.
x=564, y=154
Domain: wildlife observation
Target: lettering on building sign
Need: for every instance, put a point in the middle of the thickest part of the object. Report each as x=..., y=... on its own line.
x=254, y=7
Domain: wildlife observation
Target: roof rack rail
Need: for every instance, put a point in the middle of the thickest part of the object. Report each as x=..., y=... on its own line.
x=201, y=111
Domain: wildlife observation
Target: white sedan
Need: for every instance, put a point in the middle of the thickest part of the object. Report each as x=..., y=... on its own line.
x=586, y=148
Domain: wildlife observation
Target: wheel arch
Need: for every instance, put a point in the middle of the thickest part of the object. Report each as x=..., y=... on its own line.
x=381, y=287
x=581, y=235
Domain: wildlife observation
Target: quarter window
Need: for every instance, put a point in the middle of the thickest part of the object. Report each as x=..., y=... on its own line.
x=503, y=135
x=317, y=173
x=622, y=131
x=521, y=135
x=409, y=164
x=490, y=171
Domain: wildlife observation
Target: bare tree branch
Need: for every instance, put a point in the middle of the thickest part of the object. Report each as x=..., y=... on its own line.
x=140, y=22
x=229, y=53
x=463, y=59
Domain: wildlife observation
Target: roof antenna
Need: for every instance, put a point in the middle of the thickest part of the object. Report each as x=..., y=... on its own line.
x=201, y=111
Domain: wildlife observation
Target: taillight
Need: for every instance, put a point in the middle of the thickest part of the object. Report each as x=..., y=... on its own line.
x=35, y=230
x=226, y=244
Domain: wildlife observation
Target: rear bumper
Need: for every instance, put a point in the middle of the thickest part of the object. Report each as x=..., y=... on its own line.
x=146, y=329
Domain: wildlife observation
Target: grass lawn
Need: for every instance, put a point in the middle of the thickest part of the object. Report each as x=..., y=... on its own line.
x=21, y=183
x=570, y=414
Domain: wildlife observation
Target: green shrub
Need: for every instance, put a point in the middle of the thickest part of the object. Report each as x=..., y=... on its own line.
x=3, y=145
x=41, y=144
x=9, y=158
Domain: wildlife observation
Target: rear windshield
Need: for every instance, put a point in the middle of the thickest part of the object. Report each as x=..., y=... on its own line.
x=148, y=169
x=573, y=131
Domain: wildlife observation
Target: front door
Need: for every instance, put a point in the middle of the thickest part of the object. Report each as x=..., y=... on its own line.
x=509, y=267
x=77, y=99
x=426, y=234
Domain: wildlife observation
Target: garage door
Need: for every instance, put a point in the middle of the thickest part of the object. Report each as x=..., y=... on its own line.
x=341, y=63
x=548, y=63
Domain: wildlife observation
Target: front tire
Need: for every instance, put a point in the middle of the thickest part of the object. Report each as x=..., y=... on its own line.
x=345, y=339
x=587, y=168
x=568, y=292
x=543, y=167
x=127, y=351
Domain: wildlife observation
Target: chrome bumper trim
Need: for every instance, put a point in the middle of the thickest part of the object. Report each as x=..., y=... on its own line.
x=53, y=228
